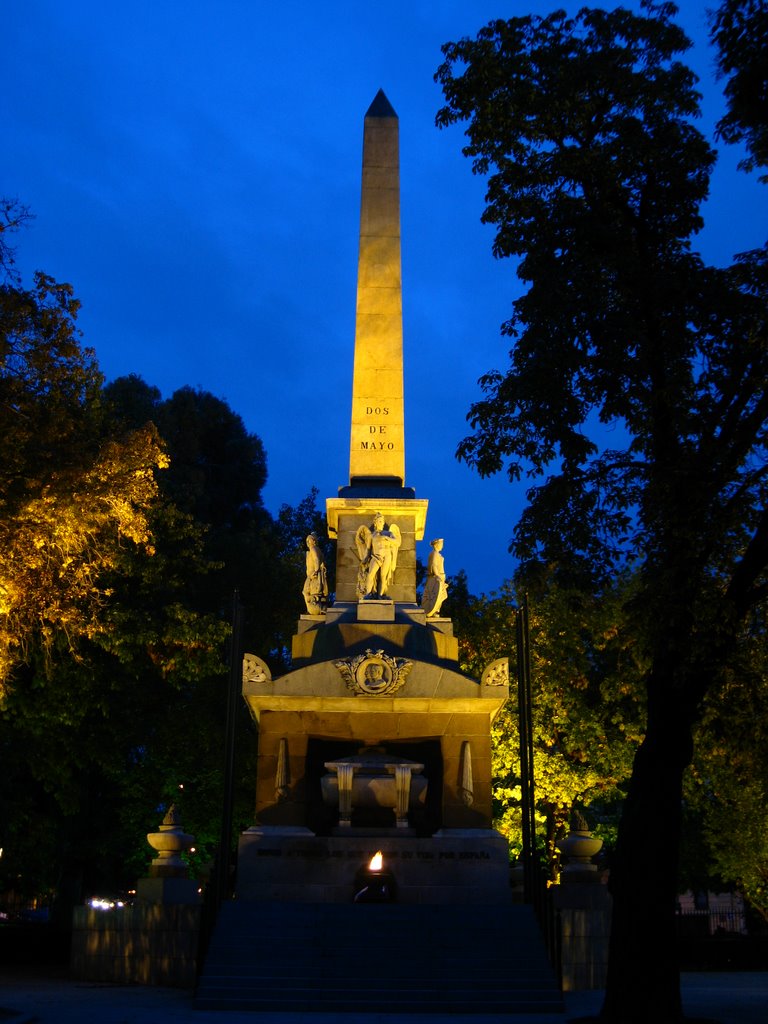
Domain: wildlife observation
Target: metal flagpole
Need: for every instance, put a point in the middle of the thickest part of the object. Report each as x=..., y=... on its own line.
x=233, y=692
x=525, y=722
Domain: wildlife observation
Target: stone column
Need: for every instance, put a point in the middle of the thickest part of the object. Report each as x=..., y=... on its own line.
x=377, y=442
x=402, y=793
x=346, y=776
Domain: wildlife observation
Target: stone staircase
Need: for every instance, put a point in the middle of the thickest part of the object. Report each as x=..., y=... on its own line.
x=377, y=958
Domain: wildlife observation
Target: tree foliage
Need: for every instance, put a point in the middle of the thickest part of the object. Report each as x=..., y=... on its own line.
x=740, y=32
x=72, y=493
x=727, y=787
x=596, y=175
x=587, y=701
x=13, y=216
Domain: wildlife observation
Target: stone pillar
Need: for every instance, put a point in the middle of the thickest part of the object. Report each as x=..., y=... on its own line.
x=402, y=793
x=169, y=881
x=584, y=906
x=346, y=777
x=154, y=942
x=377, y=438
x=584, y=909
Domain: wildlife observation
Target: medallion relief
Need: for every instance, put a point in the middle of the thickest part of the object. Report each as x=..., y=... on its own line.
x=374, y=674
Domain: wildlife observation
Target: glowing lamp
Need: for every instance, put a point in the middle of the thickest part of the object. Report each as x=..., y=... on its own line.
x=373, y=884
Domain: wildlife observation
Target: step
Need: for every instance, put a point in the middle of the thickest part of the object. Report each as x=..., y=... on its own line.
x=385, y=958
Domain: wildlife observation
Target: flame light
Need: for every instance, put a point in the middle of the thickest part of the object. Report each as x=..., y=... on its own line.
x=377, y=862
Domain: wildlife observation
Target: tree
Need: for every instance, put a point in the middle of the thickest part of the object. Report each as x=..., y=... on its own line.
x=79, y=522
x=587, y=700
x=71, y=492
x=97, y=643
x=740, y=32
x=727, y=787
x=596, y=177
x=215, y=536
x=216, y=474
x=13, y=215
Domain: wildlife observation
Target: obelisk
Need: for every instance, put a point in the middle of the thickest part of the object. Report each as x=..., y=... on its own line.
x=377, y=438
x=377, y=435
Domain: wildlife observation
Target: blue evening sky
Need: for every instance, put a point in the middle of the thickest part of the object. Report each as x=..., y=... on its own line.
x=194, y=171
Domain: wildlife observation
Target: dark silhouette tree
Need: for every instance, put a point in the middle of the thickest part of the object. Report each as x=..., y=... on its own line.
x=596, y=179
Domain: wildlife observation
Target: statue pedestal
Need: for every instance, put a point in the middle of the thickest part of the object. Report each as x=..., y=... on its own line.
x=372, y=610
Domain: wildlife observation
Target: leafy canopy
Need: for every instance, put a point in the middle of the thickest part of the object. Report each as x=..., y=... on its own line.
x=587, y=700
x=596, y=176
x=72, y=492
x=740, y=32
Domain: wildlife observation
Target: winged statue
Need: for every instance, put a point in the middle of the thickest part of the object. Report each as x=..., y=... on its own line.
x=377, y=547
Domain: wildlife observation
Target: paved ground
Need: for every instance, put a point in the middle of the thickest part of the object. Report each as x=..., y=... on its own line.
x=738, y=998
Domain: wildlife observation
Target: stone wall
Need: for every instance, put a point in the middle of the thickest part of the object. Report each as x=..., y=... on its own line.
x=147, y=944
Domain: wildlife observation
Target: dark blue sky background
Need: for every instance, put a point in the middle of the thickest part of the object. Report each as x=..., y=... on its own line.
x=194, y=169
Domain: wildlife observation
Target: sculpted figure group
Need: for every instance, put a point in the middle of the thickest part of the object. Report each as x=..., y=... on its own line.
x=377, y=548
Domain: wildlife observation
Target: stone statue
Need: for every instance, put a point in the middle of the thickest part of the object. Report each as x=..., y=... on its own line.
x=435, y=589
x=315, y=589
x=377, y=548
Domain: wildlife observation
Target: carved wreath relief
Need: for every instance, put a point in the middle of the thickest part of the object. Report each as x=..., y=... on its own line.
x=374, y=674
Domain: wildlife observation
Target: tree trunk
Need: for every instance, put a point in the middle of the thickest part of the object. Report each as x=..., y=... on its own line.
x=643, y=983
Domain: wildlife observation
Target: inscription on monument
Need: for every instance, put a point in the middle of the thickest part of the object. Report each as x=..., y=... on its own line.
x=377, y=440
x=358, y=855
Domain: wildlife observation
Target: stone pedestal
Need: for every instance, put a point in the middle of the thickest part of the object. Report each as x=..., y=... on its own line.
x=584, y=907
x=352, y=626
x=154, y=942
x=168, y=891
x=453, y=866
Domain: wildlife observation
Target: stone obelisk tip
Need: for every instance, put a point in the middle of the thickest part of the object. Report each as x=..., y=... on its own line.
x=381, y=107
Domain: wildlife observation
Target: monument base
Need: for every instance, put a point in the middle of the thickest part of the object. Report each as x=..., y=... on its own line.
x=294, y=865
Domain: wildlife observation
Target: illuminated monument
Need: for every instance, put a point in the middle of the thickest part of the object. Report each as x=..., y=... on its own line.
x=377, y=444
x=374, y=740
